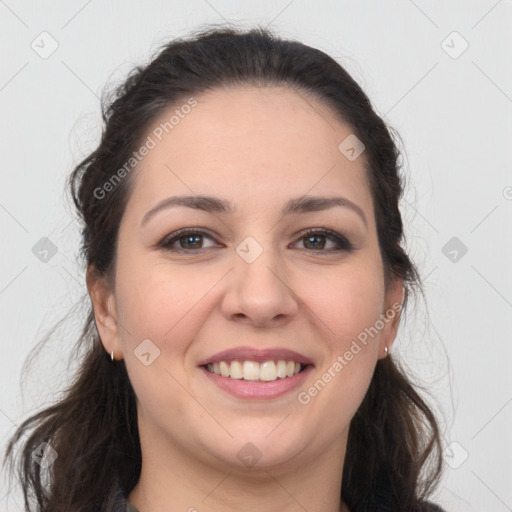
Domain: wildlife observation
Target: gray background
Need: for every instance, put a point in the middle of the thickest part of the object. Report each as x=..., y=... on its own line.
x=453, y=109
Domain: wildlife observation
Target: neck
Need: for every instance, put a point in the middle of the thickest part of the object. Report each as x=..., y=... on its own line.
x=232, y=494
x=191, y=484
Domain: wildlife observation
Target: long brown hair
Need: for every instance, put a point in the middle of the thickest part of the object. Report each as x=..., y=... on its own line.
x=393, y=455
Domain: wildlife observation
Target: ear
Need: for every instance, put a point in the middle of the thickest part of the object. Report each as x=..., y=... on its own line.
x=393, y=304
x=105, y=314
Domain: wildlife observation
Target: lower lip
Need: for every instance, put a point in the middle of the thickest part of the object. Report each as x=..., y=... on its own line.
x=257, y=389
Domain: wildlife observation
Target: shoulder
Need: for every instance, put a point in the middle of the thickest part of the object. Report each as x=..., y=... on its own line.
x=115, y=502
x=119, y=500
x=427, y=506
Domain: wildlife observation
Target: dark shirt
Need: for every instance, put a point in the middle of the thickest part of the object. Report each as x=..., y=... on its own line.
x=130, y=507
x=123, y=504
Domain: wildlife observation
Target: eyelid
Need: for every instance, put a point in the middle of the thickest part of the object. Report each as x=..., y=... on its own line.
x=180, y=233
x=342, y=241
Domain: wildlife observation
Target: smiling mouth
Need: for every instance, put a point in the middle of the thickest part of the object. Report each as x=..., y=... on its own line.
x=267, y=371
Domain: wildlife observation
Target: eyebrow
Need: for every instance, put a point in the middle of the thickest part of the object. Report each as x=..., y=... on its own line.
x=294, y=206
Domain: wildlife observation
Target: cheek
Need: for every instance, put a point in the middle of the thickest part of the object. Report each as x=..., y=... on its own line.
x=347, y=301
x=161, y=303
x=346, y=305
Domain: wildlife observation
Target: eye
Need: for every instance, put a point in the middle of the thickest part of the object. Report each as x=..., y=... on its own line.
x=315, y=239
x=189, y=239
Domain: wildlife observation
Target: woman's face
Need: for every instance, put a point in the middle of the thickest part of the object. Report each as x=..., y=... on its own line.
x=253, y=278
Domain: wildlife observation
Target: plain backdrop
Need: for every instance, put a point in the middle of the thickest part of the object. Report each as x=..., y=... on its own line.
x=439, y=72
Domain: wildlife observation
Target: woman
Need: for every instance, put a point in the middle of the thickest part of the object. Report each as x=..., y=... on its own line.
x=242, y=238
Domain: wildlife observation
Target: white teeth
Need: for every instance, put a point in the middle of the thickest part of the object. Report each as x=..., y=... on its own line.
x=224, y=369
x=268, y=371
x=235, y=370
x=251, y=370
x=281, y=369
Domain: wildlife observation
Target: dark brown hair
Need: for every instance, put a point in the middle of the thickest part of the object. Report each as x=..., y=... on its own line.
x=393, y=454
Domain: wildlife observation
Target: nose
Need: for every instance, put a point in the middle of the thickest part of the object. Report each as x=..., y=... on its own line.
x=258, y=293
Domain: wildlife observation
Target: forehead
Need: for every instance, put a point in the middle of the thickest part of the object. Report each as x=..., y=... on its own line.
x=244, y=143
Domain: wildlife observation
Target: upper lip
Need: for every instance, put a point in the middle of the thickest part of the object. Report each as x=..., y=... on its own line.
x=257, y=355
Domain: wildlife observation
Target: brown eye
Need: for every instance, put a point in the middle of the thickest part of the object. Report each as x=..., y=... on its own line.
x=191, y=240
x=188, y=240
x=316, y=240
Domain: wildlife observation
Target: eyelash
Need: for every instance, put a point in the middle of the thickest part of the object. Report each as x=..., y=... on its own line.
x=342, y=242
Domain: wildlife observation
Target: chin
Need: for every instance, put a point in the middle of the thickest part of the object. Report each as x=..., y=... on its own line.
x=261, y=450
